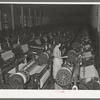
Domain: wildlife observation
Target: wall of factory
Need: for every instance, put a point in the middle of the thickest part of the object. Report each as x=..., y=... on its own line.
x=98, y=36
x=70, y=17
x=94, y=16
x=5, y=17
x=95, y=31
x=13, y=16
x=17, y=16
x=78, y=19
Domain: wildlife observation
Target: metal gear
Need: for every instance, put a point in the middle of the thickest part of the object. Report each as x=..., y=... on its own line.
x=63, y=77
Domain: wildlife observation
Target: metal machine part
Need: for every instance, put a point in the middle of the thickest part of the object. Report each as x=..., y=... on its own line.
x=63, y=77
x=25, y=48
x=93, y=85
x=7, y=61
x=21, y=62
x=71, y=56
x=76, y=47
x=22, y=77
x=21, y=50
x=7, y=55
x=43, y=58
x=39, y=79
x=17, y=80
x=76, y=74
x=89, y=72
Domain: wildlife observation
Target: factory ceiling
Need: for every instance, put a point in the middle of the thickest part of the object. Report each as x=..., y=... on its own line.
x=66, y=10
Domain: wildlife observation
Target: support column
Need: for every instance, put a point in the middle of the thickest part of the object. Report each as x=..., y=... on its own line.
x=12, y=17
x=0, y=21
x=44, y=18
x=22, y=16
x=30, y=21
x=35, y=18
x=47, y=18
x=40, y=17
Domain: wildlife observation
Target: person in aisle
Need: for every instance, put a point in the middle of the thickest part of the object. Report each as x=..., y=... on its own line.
x=57, y=61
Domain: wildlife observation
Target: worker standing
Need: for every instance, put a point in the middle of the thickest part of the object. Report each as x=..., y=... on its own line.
x=57, y=61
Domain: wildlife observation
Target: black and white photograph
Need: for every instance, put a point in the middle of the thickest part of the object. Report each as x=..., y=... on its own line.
x=49, y=46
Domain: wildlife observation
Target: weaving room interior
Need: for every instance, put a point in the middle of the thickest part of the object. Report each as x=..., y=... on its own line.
x=50, y=46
